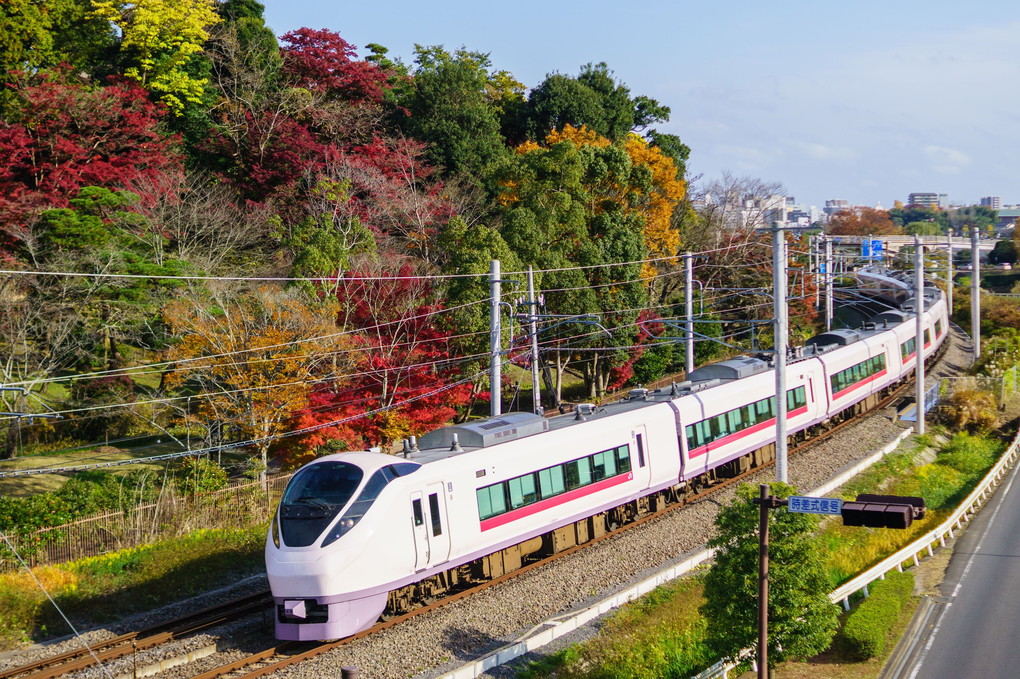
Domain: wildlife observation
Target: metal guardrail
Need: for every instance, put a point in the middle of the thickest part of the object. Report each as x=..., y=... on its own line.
x=925, y=543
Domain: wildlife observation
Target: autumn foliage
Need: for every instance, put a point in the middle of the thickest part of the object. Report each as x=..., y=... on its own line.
x=68, y=135
x=189, y=151
x=405, y=377
x=862, y=222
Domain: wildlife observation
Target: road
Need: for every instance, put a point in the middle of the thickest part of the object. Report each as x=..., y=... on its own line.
x=973, y=628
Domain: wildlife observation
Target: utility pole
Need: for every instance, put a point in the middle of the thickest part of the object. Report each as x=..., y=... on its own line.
x=975, y=294
x=536, y=391
x=495, y=367
x=689, y=320
x=919, y=369
x=949, y=275
x=816, y=251
x=828, y=285
x=779, y=334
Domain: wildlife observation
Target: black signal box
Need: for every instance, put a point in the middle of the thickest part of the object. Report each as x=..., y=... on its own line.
x=883, y=511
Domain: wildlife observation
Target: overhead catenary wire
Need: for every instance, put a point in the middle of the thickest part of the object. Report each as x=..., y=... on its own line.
x=558, y=342
x=241, y=444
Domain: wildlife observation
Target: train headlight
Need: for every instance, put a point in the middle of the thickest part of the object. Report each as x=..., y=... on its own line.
x=276, y=530
x=342, y=526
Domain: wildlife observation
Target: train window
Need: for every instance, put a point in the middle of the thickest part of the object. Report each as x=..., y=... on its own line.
x=419, y=518
x=404, y=468
x=748, y=416
x=622, y=460
x=927, y=337
x=718, y=427
x=692, y=439
x=522, y=491
x=938, y=328
x=491, y=501
x=578, y=473
x=437, y=521
x=733, y=424
x=551, y=481
x=640, y=452
x=365, y=499
x=527, y=489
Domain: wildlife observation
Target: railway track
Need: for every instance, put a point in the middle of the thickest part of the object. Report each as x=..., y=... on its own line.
x=287, y=654
x=140, y=640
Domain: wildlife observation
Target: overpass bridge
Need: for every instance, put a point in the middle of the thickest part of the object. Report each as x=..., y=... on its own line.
x=891, y=245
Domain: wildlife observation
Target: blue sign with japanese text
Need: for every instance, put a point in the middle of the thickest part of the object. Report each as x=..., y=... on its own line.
x=871, y=248
x=814, y=505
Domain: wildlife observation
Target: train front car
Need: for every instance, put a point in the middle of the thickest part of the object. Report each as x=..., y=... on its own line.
x=328, y=570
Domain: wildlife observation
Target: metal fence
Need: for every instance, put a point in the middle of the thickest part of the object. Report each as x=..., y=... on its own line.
x=1000, y=387
x=241, y=504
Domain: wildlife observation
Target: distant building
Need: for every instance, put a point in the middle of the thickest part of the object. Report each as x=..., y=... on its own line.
x=933, y=200
x=1006, y=221
x=834, y=206
x=993, y=202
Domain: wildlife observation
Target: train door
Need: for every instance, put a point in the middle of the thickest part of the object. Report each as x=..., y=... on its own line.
x=438, y=524
x=421, y=532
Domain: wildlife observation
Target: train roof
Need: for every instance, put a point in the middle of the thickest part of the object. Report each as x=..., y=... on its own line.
x=478, y=434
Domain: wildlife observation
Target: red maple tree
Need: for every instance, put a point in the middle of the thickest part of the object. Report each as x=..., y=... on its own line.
x=407, y=382
x=68, y=136
x=322, y=61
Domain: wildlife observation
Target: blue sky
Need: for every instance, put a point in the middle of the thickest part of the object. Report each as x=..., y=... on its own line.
x=865, y=101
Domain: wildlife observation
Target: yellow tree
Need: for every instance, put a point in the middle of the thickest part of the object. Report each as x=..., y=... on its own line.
x=162, y=36
x=251, y=361
x=653, y=192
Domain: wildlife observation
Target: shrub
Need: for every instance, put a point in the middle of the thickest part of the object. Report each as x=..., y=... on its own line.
x=970, y=409
x=199, y=475
x=970, y=455
x=864, y=633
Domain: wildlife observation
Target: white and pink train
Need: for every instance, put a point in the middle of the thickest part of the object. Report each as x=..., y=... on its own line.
x=355, y=531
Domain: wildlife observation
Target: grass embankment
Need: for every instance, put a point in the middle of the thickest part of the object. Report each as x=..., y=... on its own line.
x=108, y=587
x=662, y=635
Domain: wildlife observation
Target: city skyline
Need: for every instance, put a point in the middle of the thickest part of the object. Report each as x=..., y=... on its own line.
x=866, y=103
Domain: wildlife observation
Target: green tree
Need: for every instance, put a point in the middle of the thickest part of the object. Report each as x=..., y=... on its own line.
x=470, y=250
x=802, y=620
x=40, y=35
x=901, y=216
x=1003, y=252
x=961, y=219
x=455, y=104
x=567, y=208
x=922, y=229
x=593, y=99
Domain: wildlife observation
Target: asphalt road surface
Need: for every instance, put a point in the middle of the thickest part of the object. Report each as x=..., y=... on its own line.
x=976, y=629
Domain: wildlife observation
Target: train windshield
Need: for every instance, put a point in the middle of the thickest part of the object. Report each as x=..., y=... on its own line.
x=314, y=497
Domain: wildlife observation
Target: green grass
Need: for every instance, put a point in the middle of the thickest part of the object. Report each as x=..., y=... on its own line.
x=104, y=588
x=662, y=634
x=659, y=635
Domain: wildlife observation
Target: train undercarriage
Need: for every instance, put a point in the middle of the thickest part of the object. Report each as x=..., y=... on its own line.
x=580, y=532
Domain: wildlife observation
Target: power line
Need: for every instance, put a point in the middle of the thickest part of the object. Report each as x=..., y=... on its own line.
x=239, y=444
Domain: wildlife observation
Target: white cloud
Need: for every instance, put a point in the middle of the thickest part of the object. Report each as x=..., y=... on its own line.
x=946, y=161
x=826, y=152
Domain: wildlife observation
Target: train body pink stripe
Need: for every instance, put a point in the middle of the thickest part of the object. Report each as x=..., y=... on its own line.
x=556, y=501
